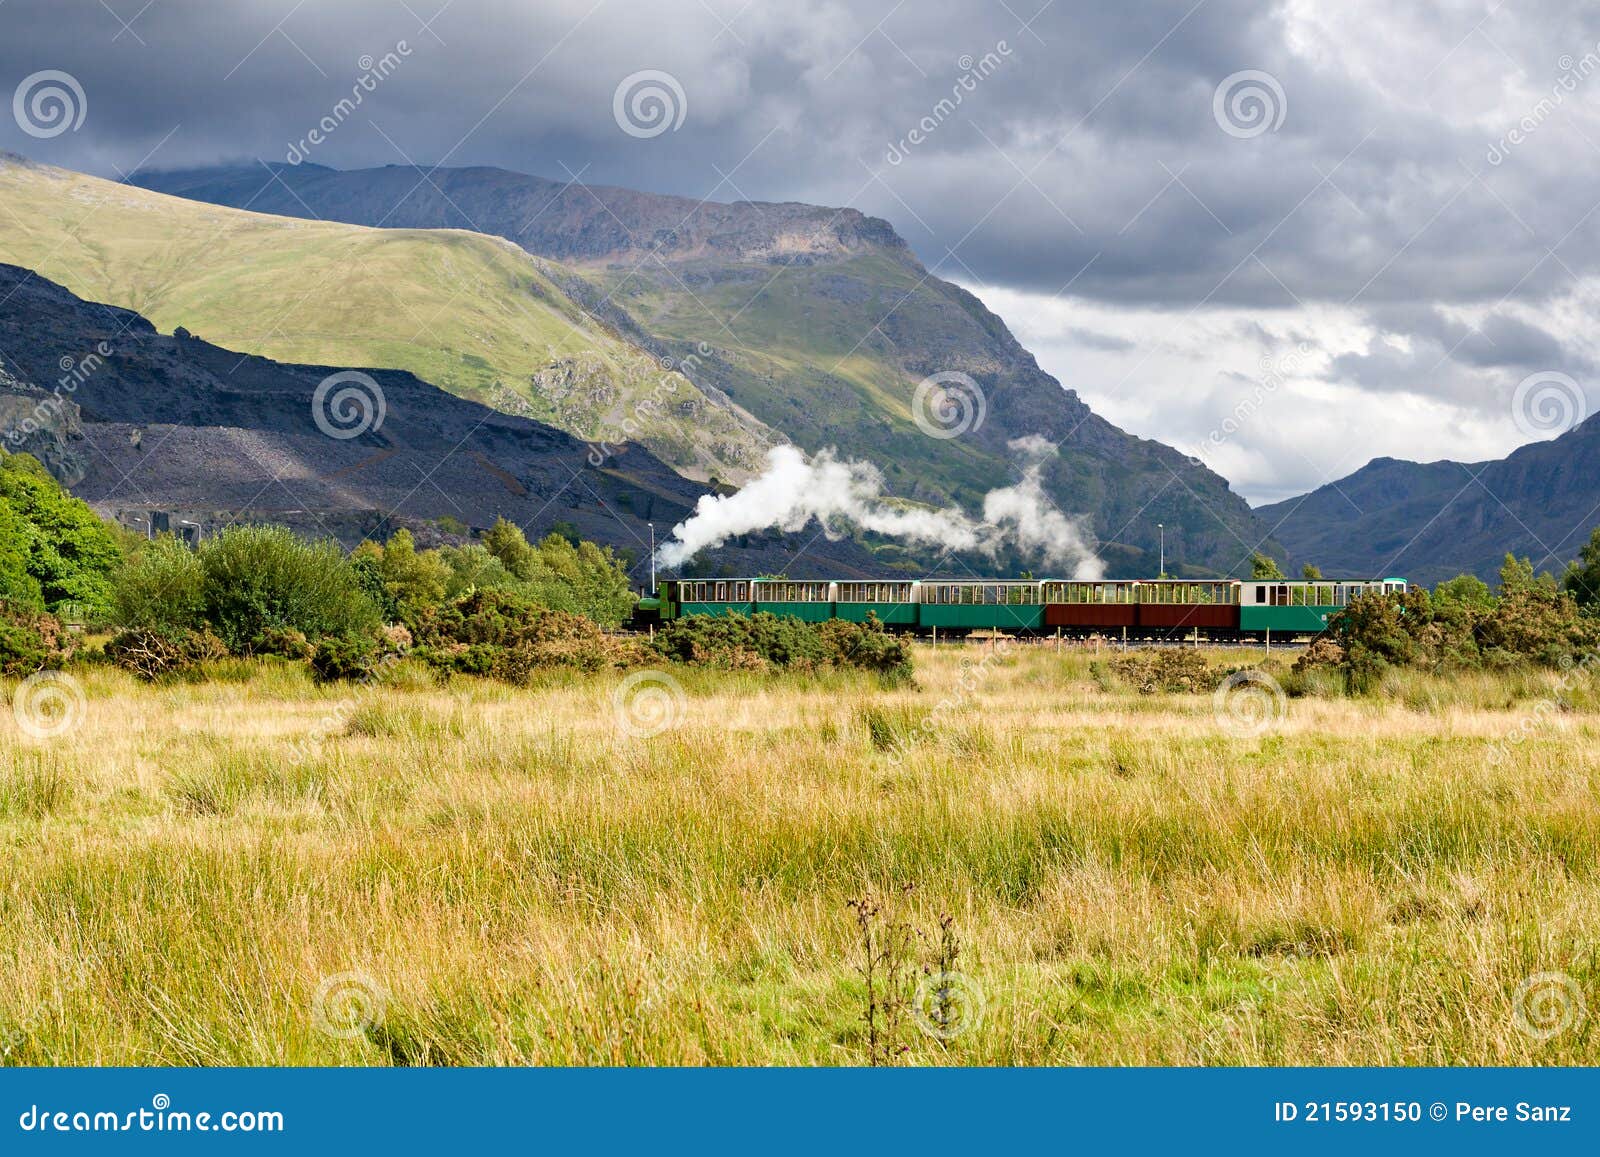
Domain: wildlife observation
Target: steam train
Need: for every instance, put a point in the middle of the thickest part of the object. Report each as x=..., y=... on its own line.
x=1128, y=608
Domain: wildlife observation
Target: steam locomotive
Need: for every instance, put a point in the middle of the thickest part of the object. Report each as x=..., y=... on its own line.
x=1129, y=608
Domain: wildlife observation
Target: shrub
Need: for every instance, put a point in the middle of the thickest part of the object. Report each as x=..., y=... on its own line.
x=156, y=654
x=29, y=640
x=345, y=657
x=260, y=579
x=507, y=636
x=738, y=642
x=161, y=587
x=1173, y=669
x=70, y=552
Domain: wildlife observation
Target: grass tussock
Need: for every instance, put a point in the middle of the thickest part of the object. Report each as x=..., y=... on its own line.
x=529, y=876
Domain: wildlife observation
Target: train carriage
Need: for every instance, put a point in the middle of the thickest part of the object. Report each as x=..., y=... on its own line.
x=893, y=603
x=811, y=601
x=969, y=606
x=1167, y=605
x=1301, y=607
x=1106, y=605
x=706, y=597
x=1152, y=608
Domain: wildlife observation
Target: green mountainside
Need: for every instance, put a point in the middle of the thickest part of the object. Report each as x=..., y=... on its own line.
x=819, y=322
x=466, y=312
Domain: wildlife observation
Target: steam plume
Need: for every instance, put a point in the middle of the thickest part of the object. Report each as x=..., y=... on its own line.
x=840, y=494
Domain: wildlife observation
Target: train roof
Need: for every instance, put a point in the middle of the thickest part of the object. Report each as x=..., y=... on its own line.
x=1325, y=580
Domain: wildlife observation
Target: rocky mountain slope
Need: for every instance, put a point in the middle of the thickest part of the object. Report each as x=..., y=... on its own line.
x=149, y=428
x=819, y=322
x=1431, y=521
x=463, y=311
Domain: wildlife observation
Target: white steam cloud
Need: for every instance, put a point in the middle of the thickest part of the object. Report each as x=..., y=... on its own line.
x=840, y=494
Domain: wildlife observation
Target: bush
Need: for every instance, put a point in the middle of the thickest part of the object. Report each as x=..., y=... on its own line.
x=160, y=653
x=29, y=640
x=161, y=587
x=762, y=640
x=264, y=579
x=507, y=636
x=345, y=657
x=1172, y=669
x=70, y=553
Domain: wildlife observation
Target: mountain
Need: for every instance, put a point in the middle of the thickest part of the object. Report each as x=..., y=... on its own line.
x=1431, y=521
x=821, y=323
x=469, y=313
x=167, y=429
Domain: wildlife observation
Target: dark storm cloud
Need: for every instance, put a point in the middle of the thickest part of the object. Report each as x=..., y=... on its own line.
x=1035, y=146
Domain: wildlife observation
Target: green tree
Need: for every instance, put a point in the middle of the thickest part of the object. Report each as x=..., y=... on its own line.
x=161, y=587
x=1465, y=591
x=412, y=580
x=71, y=552
x=473, y=568
x=507, y=543
x=1582, y=580
x=1311, y=573
x=1264, y=567
x=17, y=586
x=263, y=579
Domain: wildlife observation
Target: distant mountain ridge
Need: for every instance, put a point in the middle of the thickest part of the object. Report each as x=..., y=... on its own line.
x=1431, y=521
x=569, y=222
x=820, y=323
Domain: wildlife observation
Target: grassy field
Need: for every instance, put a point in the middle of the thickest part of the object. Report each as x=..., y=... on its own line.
x=469, y=313
x=259, y=871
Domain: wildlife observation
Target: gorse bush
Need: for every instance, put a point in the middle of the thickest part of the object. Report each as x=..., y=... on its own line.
x=163, y=652
x=505, y=635
x=1173, y=669
x=762, y=640
x=29, y=640
x=1533, y=622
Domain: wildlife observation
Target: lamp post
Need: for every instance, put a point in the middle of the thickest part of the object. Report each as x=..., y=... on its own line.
x=1162, y=527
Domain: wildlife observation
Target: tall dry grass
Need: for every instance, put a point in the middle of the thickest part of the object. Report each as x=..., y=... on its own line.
x=221, y=873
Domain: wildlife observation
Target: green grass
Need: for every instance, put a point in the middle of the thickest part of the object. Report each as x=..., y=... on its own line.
x=803, y=356
x=469, y=313
x=519, y=880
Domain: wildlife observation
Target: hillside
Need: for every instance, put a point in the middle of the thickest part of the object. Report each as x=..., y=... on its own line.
x=1430, y=521
x=819, y=322
x=466, y=312
x=168, y=429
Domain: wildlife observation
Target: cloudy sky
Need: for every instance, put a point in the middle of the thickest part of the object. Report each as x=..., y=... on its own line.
x=1285, y=237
